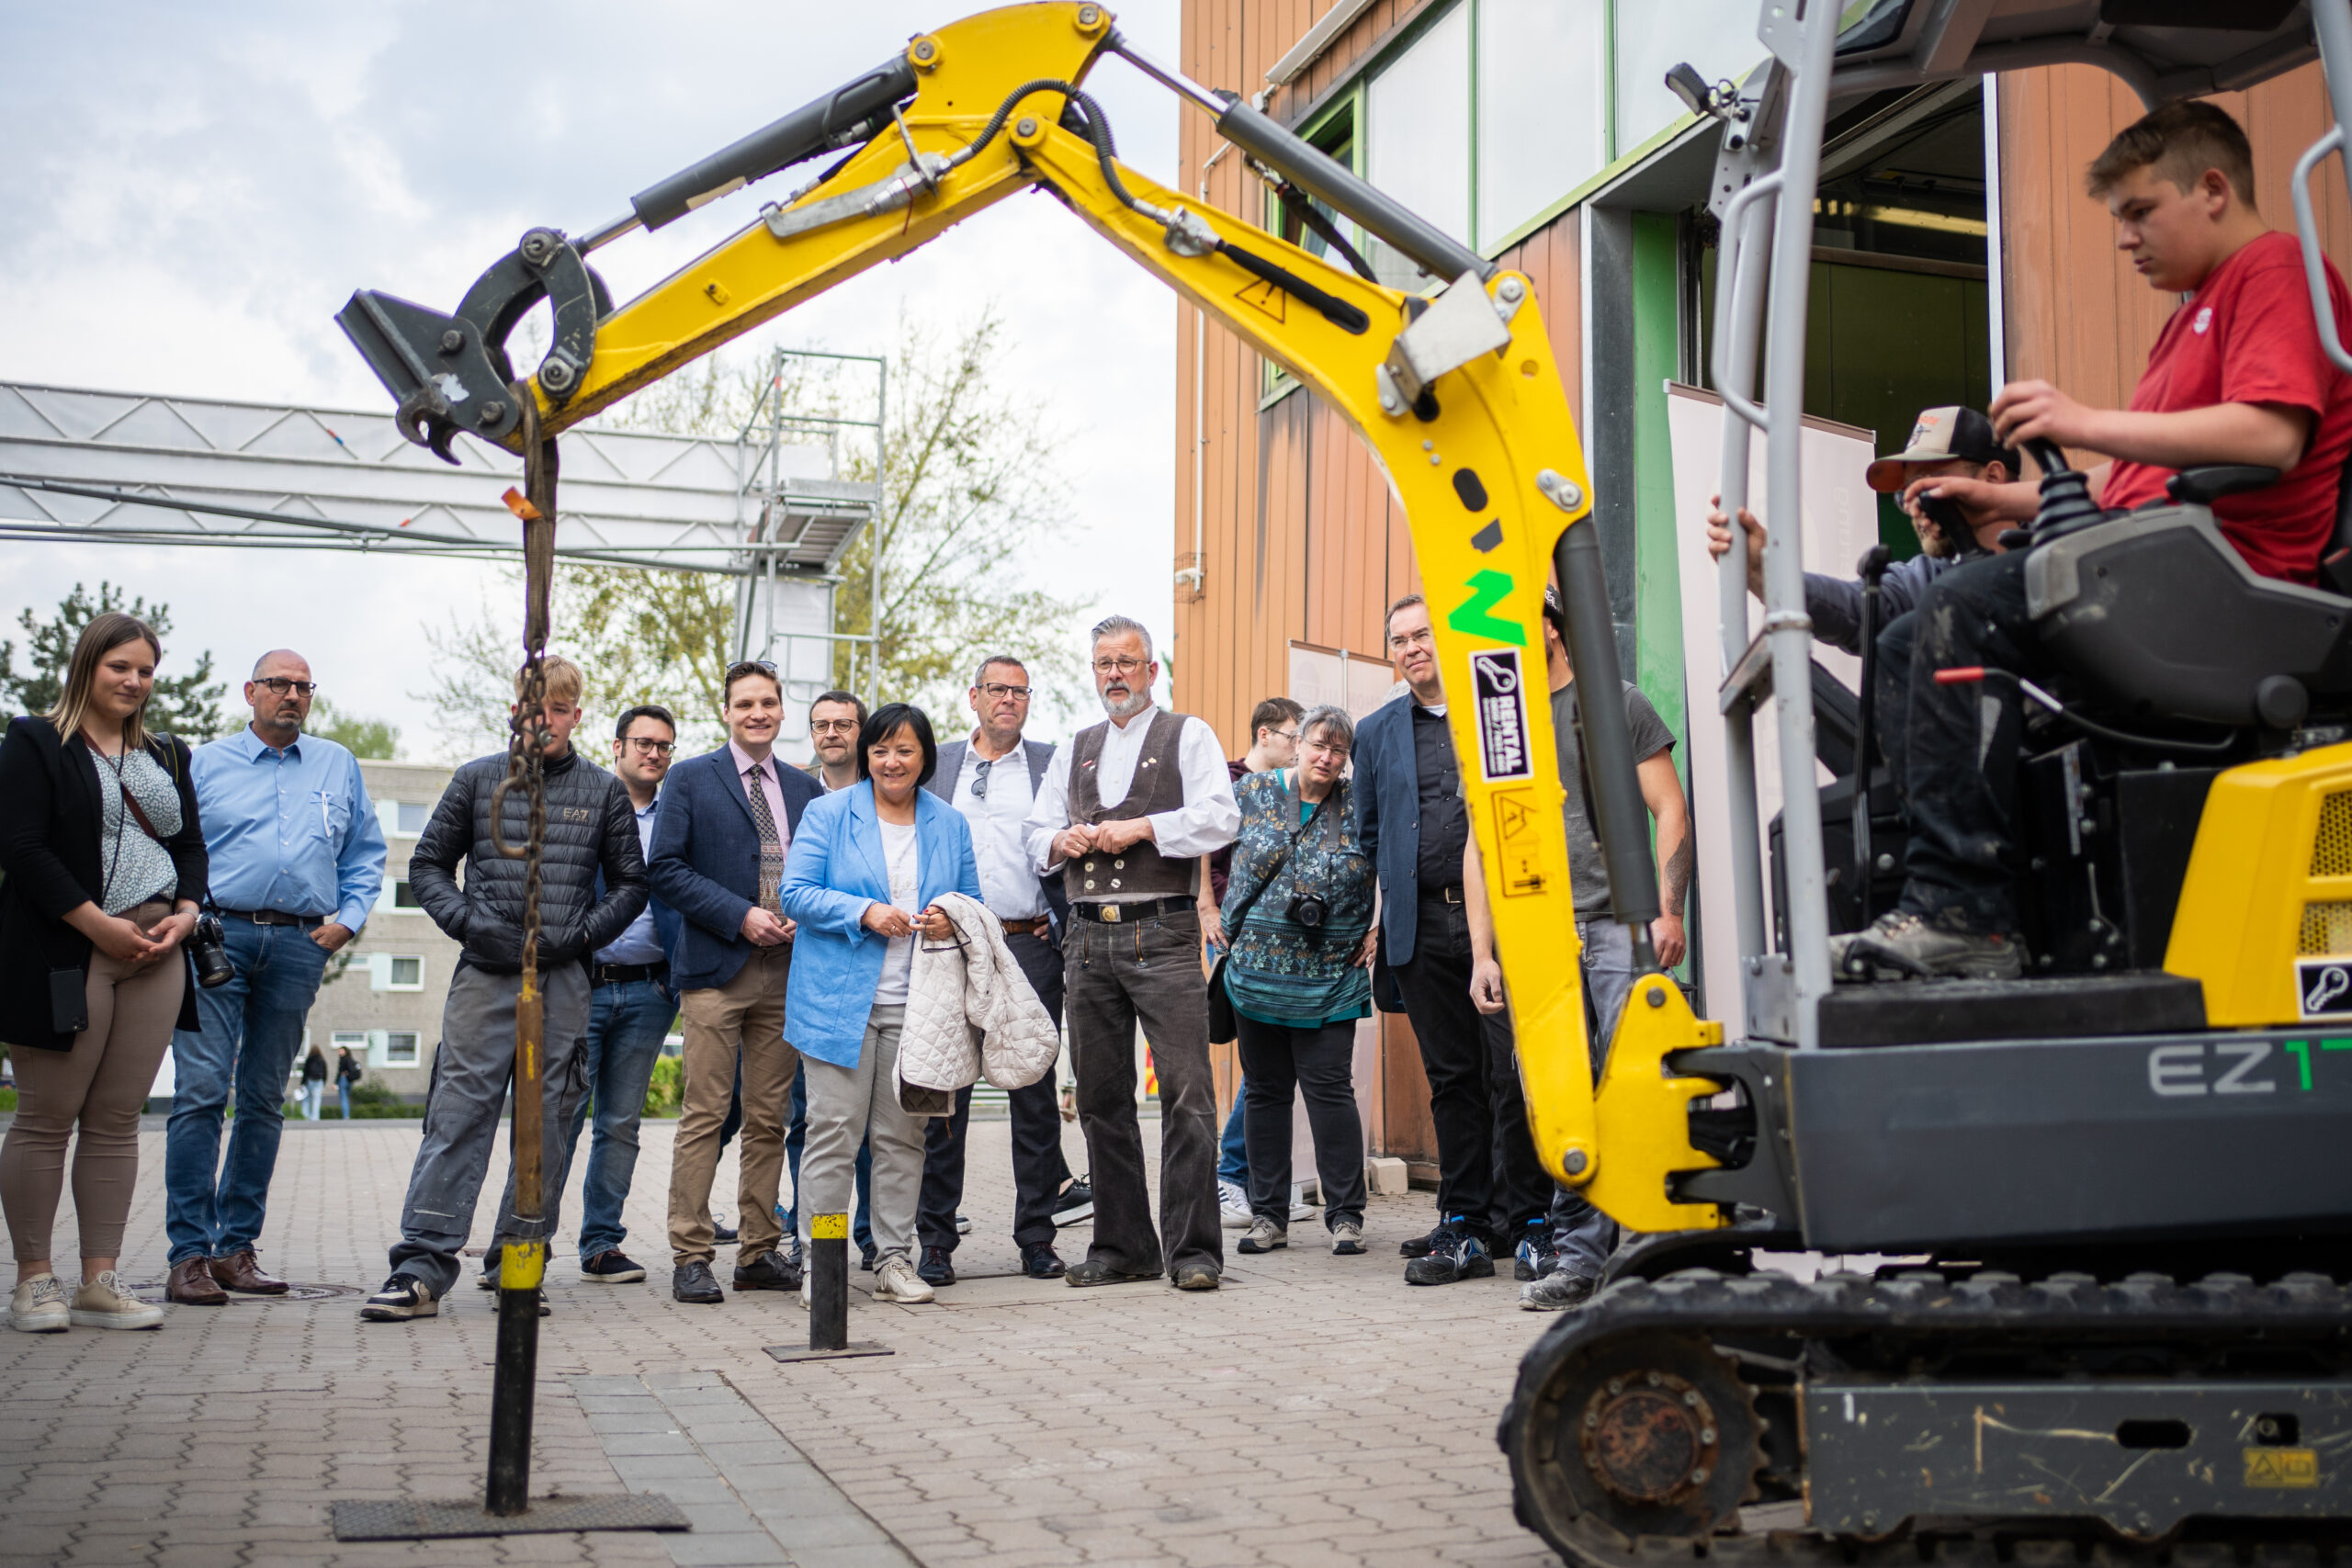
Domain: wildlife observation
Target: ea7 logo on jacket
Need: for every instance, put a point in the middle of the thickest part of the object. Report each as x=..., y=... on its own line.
x=573, y=814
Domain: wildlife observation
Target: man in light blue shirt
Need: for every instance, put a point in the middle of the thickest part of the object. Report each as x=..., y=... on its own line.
x=298, y=859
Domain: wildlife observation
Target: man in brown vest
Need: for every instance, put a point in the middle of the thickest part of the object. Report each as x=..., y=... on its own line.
x=1124, y=812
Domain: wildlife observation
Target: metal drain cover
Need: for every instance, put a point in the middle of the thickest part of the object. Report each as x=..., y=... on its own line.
x=152, y=1291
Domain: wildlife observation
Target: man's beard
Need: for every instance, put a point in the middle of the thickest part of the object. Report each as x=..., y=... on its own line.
x=1137, y=699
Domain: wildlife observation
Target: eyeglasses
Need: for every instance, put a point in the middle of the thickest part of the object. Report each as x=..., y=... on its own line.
x=1289, y=735
x=281, y=685
x=832, y=726
x=980, y=779
x=1424, y=638
x=652, y=747
x=1118, y=666
x=996, y=690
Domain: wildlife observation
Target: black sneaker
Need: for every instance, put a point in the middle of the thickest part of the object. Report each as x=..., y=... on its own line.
x=695, y=1283
x=612, y=1267
x=865, y=1260
x=771, y=1270
x=1040, y=1261
x=725, y=1235
x=1535, y=1254
x=1077, y=1201
x=1460, y=1256
x=1421, y=1246
x=937, y=1267
x=403, y=1296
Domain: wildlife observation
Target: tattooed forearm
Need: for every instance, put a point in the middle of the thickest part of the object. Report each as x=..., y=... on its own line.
x=1678, y=875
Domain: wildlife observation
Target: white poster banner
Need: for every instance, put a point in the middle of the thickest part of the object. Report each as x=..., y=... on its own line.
x=1841, y=523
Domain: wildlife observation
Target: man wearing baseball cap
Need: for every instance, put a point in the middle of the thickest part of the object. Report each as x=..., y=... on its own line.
x=1951, y=442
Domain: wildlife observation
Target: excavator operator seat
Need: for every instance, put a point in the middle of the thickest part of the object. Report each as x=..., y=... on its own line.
x=2161, y=618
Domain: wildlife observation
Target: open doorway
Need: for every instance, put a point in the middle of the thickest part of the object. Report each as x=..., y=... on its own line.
x=1899, y=317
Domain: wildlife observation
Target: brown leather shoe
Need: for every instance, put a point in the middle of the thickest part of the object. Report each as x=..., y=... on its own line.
x=192, y=1285
x=242, y=1274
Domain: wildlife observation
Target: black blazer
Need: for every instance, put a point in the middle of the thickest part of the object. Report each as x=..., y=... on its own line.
x=51, y=821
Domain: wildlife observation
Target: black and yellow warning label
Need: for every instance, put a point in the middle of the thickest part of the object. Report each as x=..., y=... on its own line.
x=1518, y=844
x=2278, y=1469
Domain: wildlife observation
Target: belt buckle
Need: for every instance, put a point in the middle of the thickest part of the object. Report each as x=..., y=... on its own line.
x=1111, y=913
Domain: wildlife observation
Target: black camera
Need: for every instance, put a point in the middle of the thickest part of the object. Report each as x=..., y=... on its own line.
x=1309, y=912
x=207, y=949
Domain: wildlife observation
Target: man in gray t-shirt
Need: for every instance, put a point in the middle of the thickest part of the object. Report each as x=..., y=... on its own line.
x=1581, y=1238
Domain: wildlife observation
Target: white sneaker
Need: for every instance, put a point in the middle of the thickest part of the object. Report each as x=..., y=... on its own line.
x=1233, y=1206
x=39, y=1307
x=1300, y=1209
x=894, y=1280
x=103, y=1302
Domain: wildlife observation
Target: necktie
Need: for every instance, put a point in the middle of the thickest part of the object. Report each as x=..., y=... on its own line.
x=771, y=844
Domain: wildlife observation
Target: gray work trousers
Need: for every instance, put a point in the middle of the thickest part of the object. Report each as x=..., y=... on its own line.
x=849, y=1106
x=471, y=1071
x=1144, y=971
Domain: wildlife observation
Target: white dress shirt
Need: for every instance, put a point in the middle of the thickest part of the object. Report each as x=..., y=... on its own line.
x=1207, y=821
x=1008, y=882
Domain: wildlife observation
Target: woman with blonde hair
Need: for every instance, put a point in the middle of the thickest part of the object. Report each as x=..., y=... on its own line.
x=104, y=870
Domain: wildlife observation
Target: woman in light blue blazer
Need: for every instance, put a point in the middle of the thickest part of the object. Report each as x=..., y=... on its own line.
x=865, y=870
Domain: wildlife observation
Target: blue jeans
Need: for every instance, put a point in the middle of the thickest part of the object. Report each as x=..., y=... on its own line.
x=1233, y=1149
x=625, y=1026
x=861, y=1225
x=343, y=1093
x=251, y=1027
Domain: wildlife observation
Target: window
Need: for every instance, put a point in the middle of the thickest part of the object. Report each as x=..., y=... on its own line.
x=1417, y=142
x=400, y=1049
x=1539, y=106
x=405, y=896
x=352, y=1040
x=1714, y=38
x=410, y=816
x=388, y=972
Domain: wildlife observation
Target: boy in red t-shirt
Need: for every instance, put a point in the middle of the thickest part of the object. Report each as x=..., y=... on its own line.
x=2237, y=375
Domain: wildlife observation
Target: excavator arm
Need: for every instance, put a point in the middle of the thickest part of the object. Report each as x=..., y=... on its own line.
x=1459, y=396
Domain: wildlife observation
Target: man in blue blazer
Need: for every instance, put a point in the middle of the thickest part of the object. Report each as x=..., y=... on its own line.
x=992, y=779
x=719, y=842
x=1412, y=822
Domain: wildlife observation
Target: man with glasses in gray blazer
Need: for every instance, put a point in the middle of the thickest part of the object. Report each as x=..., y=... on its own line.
x=992, y=779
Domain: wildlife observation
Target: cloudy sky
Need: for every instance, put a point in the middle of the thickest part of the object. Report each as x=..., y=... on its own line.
x=192, y=191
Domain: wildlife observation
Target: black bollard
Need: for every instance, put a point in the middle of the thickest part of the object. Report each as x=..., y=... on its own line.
x=521, y=1267
x=828, y=1282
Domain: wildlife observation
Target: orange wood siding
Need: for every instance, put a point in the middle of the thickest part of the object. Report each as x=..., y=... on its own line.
x=2078, y=316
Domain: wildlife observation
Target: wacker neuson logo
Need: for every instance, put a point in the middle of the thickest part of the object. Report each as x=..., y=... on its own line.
x=1502, y=714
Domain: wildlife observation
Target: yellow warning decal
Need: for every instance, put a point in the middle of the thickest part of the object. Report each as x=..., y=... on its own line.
x=1519, y=843
x=2276, y=1468
x=828, y=1228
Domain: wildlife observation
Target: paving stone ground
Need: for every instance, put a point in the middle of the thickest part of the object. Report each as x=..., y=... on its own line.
x=1316, y=1410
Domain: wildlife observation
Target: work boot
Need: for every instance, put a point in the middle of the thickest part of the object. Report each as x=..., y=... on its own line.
x=1933, y=947
x=1557, y=1291
x=192, y=1284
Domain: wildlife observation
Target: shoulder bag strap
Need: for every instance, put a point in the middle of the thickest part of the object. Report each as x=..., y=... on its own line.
x=1241, y=916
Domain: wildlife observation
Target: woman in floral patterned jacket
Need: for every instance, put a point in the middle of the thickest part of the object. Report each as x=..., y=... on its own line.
x=1298, y=911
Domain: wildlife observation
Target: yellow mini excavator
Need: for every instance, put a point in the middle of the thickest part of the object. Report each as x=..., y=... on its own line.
x=2126, y=1183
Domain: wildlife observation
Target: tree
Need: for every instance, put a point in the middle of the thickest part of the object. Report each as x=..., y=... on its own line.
x=972, y=499
x=186, y=706
x=365, y=737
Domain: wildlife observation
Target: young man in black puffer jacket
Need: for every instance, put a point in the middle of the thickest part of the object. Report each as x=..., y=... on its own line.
x=591, y=830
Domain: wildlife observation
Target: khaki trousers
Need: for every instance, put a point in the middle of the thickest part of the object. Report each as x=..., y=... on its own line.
x=98, y=1089
x=741, y=1022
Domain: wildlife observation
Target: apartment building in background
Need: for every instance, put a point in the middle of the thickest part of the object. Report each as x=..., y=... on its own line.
x=383, y=995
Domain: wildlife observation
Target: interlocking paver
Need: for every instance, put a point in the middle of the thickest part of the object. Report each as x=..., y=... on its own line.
x=1315, y=1411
